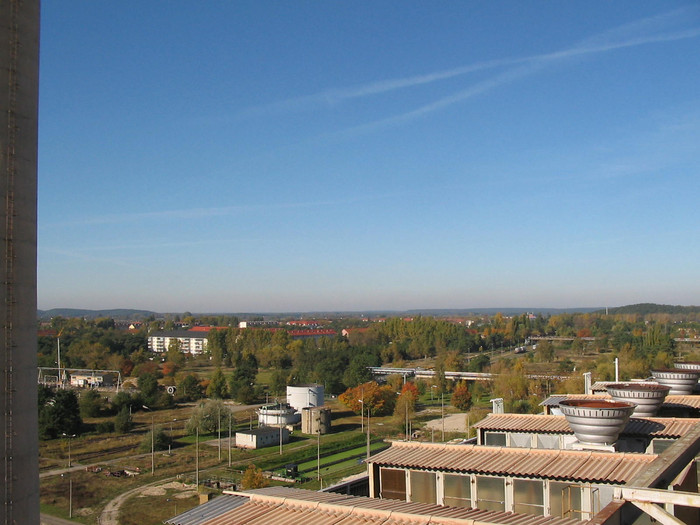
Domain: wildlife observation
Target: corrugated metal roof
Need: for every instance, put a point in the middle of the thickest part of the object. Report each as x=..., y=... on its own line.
x=281, y=506
x=687, y=401
x=554, y=464
x=210, y=510
x=653, y=426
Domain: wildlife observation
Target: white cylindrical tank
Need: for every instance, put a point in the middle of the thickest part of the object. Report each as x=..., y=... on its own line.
x=302, y=396
x=281, y=415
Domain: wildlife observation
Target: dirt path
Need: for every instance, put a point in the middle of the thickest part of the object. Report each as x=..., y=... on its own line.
x=110, y=514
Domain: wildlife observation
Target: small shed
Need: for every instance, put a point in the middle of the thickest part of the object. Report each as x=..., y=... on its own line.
x=261, y=437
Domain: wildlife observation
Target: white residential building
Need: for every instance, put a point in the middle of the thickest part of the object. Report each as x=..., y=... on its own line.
x=194, y=343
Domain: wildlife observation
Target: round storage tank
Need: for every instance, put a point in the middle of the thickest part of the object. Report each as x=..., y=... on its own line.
x=281, y=415
x=302, y=396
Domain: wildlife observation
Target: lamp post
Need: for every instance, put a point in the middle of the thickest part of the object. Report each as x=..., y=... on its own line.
x=69, y=436
x=153, y=443
x=318, y=446
x=170, y=442
x=362, y=414
x=218, y=410
x=70, y=496
x=229, y=439
x=442, y=411
x=196, y=460
x=368, y=421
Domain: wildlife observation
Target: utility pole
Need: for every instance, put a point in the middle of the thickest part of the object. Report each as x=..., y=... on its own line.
x=196, y=461
x=229, y=439
x=442, y=410
x=318, y=446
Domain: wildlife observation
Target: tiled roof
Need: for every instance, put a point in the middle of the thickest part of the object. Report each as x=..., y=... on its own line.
x=281, y=506
x=689, y=401
x=604, y=467
x=656, y=426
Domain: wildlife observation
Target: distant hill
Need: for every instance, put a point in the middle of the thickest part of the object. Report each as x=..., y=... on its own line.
x=505, y=311
x=133, y=314
x=652, y=308
x=116, y=313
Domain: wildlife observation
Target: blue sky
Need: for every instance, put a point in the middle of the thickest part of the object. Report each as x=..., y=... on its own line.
x=298, y=156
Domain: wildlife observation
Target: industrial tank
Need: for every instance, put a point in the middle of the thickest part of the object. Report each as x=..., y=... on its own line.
x=277, y=415
x=647, y=397
x=596, y=422
x=681, y=381
x=302, y=396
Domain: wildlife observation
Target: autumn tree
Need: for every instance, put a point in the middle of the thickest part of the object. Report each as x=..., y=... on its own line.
x=511, y=384
x=379, y=400
x=544, y=352
x=253, y=478
x=406, y=402
x=462, y=397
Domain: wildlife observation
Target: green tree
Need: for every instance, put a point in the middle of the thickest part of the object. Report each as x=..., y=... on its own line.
x=189, y=388
x=161, y=440
x=206, y=417
x=122, y=421
x=148, y=385
x=174, y=353
x=217, y=388
x=59, y=414
x=357, y=371
x=91, y=403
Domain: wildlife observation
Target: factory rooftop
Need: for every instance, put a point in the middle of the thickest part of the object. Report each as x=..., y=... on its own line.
x=691, y=403
x=281, y=505
x=666, y=427
x=573, y=465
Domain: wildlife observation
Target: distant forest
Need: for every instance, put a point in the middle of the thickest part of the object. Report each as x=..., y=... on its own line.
x=652, y=308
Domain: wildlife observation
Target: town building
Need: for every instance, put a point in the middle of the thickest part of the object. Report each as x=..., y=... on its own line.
x=191, y=342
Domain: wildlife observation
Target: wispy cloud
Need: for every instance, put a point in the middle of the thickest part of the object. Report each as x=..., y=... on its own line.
x=221, y=211
x=603, y=43
x=660, y=28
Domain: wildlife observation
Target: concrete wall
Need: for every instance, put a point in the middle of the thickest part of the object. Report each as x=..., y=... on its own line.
x=19, y=88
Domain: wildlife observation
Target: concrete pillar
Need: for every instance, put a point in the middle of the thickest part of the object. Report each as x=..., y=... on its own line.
x=19, y=88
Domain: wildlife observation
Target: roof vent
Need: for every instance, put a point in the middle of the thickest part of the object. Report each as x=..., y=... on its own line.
x=647, y=397
x=681, y=381
x=596, y=422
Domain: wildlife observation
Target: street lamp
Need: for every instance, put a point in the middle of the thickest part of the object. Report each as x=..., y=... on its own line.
x=69, y=436
x=70, y=496
x=196, y=460
x=170, y=442
x=362, y=414
x=442, y=411
x=153, y=443
x=229, y=439
x=368, y=416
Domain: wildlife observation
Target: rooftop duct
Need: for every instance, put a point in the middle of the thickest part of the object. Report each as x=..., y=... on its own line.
x=596, y=422
x=647, y=397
